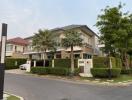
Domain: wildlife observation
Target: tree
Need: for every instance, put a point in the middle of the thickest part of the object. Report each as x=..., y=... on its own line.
x=43, y=41
x=72, y=38
x=115, y=28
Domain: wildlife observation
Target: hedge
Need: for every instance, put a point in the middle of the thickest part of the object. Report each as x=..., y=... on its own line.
x=126, y=71
x=13, y=63
x=104, y=72
x=65, y=63
x=53, y=71
x=101, y=62
x=49, y=70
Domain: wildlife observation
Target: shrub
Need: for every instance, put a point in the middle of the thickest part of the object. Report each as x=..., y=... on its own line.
x=65, y=63
x=118, y=63
x=126, y=71
x=101, y=62
x=104, y=72
x=77, y=71
x=13, y=63
x=49, y=70
x=39, y=70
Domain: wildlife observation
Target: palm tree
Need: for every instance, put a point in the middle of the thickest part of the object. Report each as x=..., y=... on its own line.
x=72, y=38
x=43, y=41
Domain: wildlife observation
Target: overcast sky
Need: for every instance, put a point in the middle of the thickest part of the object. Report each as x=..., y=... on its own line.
x=25, y=17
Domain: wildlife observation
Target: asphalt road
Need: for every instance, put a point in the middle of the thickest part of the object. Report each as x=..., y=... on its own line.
x=37, y=88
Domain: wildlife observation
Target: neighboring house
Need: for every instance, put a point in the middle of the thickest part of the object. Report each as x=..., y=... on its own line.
x=15, y=47
x=90, y=40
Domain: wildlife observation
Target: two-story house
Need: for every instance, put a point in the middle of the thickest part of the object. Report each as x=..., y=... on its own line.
x=90, y=40
x=15, y=47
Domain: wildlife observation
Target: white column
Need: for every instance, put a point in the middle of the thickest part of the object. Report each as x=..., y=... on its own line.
x=53, y=64
x=34, y=63
x=28, y=69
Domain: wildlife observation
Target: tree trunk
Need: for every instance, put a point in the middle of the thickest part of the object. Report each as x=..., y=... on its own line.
x=130, y=61
x=126, y=61
x=44, y=58
x=72, y=60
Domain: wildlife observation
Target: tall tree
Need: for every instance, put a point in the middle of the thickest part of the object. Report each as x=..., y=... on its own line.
x=43, y=41
x=115, y=28
x=72, y=38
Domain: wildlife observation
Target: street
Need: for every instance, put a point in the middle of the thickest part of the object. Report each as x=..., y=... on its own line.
x=38, y=88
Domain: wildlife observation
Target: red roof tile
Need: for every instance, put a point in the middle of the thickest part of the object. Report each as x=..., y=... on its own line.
x=18, y=41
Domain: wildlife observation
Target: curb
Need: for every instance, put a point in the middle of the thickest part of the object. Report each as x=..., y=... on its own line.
x=21, y=98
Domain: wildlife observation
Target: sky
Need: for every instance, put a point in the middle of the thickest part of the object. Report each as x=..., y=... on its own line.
x=26, y=17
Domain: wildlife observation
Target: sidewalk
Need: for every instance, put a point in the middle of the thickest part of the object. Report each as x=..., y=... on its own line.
x=15, y=71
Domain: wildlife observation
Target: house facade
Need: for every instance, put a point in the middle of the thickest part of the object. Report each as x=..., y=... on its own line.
x=90, y=41
x=15, y=47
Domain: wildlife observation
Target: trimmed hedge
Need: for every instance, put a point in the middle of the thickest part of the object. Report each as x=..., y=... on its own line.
x=104, y=72
x=101, y=62
x=54, y=71
x=13, y=63
x=65, y=63
x=126, y=71
x=49, y=70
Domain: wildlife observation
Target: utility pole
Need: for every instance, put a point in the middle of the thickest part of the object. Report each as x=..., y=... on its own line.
x=2, y=58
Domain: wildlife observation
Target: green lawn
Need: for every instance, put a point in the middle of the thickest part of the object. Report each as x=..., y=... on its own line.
x=12, y=98
x=121, y=78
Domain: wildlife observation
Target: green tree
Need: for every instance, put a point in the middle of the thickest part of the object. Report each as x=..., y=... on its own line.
x=43, y=41
x=72, y=38
x=115, y=29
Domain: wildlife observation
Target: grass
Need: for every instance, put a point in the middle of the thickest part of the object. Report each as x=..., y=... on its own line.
x=13, y=98
x=121, y=78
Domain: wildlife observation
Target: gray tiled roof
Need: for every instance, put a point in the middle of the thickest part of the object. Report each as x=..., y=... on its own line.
x=69, y=27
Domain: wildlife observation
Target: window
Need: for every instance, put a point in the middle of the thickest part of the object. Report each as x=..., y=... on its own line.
x=58, y=55
x=15, y=48
x=87, y=56
x=76, y=55
x=9, y=47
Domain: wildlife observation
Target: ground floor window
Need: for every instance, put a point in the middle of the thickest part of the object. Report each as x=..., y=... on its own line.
x=87, y=56
x=76, y=55
x=58, y=55
x=50, y=56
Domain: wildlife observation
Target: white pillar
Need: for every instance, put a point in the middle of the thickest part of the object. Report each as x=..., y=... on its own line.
x=110, y=63
x=28, y=69
x=34, y=63
x=53, y=63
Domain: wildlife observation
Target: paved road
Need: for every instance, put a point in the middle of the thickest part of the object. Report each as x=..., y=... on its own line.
x=36, y=88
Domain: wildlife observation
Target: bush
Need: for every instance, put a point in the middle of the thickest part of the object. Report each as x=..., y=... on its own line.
x=13, y=63
x=104, y=72
x=77, y=71
x=49, y=70
x=118, y=63
x=65, y=63
x=39, y=70
x=126, y=71
x=101, y=62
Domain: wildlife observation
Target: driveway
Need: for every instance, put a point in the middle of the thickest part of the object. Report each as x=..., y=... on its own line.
x=38, y=88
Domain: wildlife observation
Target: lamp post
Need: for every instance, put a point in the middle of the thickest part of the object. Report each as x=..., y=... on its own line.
x=2, y=58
